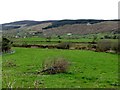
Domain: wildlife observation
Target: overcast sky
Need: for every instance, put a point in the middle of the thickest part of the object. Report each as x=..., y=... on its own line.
x=15, y=10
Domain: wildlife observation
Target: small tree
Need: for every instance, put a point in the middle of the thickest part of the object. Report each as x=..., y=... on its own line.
x=59, y=37
x=6, y=45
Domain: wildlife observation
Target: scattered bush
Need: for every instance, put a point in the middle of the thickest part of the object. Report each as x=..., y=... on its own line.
x=94, y=38
x=91, y=46
x=106, y=45
x=111, y=37
x=57, y=65
x=48, y=39
x=107, y=37
x=115, y=47
x=24, y=44
x=103, y=45
x=59, y=37
x=64, y=45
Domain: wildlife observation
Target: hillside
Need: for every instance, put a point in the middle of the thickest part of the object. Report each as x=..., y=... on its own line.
x=22, y=24
x=71, y=22
x=60, y=27
x=106, y=26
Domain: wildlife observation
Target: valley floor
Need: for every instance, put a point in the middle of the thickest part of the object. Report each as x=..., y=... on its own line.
x=88, y=69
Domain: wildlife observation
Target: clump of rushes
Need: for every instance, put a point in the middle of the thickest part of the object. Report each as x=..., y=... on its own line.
x=9, y=63
x=57, y=65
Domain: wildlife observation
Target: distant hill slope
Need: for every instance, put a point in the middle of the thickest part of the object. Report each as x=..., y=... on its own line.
x=105, y=26
x=38, y=27
x=70, y=22
x=55, y=23
x=21, y=24
x=59, y=27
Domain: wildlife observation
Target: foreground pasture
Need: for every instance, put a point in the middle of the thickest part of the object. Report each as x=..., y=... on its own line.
x=88, y=69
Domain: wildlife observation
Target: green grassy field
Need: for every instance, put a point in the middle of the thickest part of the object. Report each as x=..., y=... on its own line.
x=88, y=69
x=53, y=41
x=43, y=41
x=0, y=72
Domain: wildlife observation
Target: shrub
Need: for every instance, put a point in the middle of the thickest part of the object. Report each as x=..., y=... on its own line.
x=24, y=44
x=103, y=45
x=64, y=45
x=91, y=46
x=6, y=45
x=48, y=39
x=57, y=65
x=115, y=47
x=94, y=39
x=107, y=37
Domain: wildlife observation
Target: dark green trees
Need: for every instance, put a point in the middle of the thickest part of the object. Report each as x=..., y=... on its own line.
x=6, y=45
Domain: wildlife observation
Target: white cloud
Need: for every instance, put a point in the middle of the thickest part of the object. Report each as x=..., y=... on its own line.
x=15, y=10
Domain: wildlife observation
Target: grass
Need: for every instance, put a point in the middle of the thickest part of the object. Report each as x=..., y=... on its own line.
x=42, y=41
x=88, y=69
x=0, y=72
x=35, y=43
